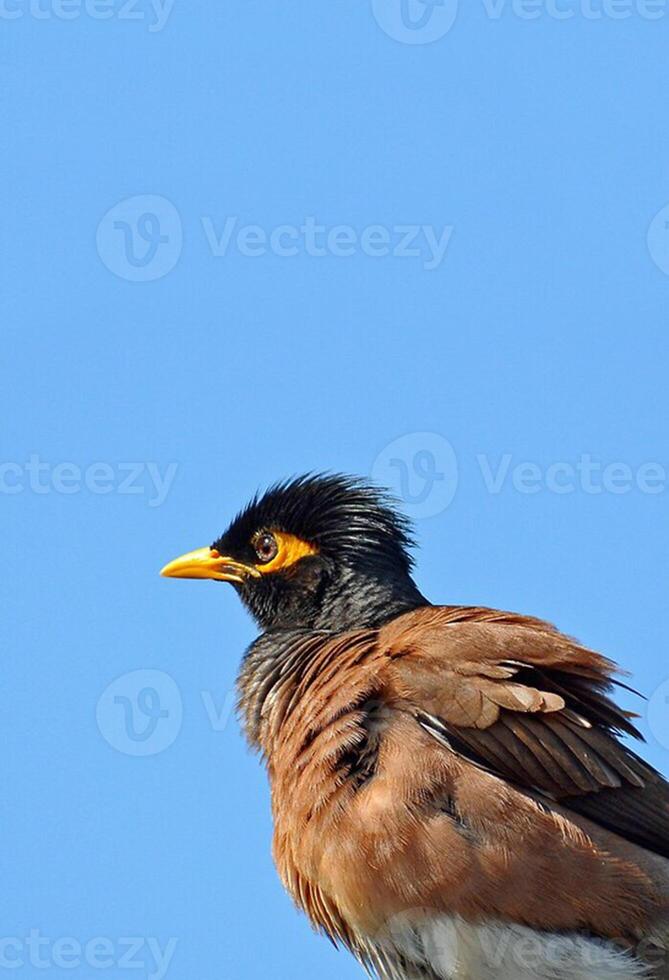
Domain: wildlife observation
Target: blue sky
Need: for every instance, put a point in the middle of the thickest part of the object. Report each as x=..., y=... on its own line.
x=247, y=239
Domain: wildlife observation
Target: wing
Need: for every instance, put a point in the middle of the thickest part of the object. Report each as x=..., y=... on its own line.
x=532, y=706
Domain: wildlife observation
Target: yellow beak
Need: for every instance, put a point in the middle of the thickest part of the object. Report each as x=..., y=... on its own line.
x=207, y=563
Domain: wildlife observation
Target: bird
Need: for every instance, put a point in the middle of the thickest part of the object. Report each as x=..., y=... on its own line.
x=453, y=793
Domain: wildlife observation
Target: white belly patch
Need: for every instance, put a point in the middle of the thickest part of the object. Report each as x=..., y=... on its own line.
x=421, y=945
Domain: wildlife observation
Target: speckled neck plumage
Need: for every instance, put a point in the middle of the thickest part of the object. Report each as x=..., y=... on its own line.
x=276, y=662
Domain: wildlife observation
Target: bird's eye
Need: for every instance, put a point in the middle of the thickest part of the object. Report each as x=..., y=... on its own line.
x=266, y=547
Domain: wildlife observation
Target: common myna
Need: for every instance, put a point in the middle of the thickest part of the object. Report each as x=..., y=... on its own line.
x=451, y=797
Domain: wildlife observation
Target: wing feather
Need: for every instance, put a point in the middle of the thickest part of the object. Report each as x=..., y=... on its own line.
x=533, y=706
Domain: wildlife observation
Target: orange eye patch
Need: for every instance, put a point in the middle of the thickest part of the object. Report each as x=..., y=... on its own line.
x=289, y=551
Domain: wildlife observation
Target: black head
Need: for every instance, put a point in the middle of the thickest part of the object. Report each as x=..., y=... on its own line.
x=327, y=552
